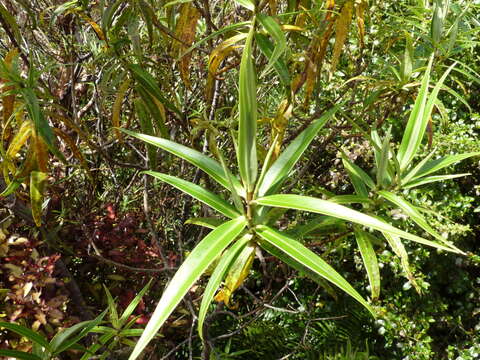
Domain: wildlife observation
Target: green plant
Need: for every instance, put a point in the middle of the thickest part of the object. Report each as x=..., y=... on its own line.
x=395, y=174
x=69, y=338
x=44, y=350
x=120, y=330
x=234, y=242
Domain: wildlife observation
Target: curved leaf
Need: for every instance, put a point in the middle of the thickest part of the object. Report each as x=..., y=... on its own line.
x=199, y=193
x=438, y=164
x=192, y=268
x=359, y=177
x=150, y=84
x=19, y=355
x=26, y=332
x=247, y=122
x=430, y=179
x=309, y=259
x=208, y=222
x=419, y=117
x=369, y=260
x=237, y=273
x=350, y=199
x=325, y=207
x=38, y=180
x=276, y=33
x=411, y=212
x=210, y=166
x=217, y=276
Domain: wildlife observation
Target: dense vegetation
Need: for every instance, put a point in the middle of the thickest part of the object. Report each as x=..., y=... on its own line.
x=240, y=180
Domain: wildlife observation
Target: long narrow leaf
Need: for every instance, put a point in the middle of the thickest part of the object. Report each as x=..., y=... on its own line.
x=397, y=246
x=415, y=130
x=302, y=269
x=383, y=163
x=309, y=259
x=358, y=176
x=431, y=179
x=289, y=157
x=247, y=124
x=210, y=166
x=276, y=33
x=438, y=164
x=199, y=193
x=208, y=222
x=412, y=173
x=65, y=339
x=325, y=207
x=416, y=125
x=133, y=304
x=369, y=260
x=267, y=48
x=192, y=268
x=40, y=123
x=18, y=355
x=350, y=199
x=413, y=213
x=38, y=181
x=149, y=83
x=217, y=277
x=26, y=332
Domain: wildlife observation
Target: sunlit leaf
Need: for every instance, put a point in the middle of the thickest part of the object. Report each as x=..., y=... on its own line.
x=208, y=222
x=217, y=276
x=325, y=207
x=192, y=268
x=309, y=259
x=431, y=179
x=398, y=248
x=275, y=31
x=237, y=273
x=438, y=164
x=369, y=260
x=199, y=193
x=210, y=166
x=247, y=122
x=419, y=117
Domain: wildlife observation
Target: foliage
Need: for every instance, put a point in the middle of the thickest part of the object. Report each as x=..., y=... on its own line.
x=362, y=115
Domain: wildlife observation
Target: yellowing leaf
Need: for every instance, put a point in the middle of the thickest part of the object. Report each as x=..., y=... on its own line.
x=38, y=181
x=8, y=100
x=342, y=25
x=41, y=153
x=20, y=139
x=279, y=125
x=272, y=4
x=73, y=147
x=316, y=52
x=216, y=58
x=237, y=274
x=315, y=60
x=93, y=24
x=287, y=27
x=185, y=31
x=117, y=107
x=360, y=7
x=28, y=164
